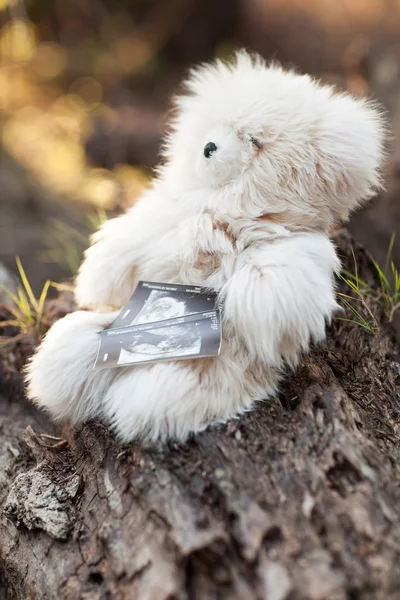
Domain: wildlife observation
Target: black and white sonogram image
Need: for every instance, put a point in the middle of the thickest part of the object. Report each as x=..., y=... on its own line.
x=163, y=342
x=160, y=306
x=193, y=336
x=153, y=302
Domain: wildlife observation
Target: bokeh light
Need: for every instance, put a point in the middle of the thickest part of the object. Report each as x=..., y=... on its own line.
x=45, y=120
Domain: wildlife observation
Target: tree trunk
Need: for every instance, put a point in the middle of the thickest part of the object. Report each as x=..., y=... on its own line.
x=298, y=500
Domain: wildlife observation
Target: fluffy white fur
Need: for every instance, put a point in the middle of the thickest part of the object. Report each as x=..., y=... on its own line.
x=293, y=157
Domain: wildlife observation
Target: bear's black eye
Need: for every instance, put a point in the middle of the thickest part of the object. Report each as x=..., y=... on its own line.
x=209, y=149
x=256, y=142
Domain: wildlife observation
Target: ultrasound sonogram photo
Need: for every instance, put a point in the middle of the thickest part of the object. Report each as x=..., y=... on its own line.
x=189, y=336
x=152, y=302
x=160, y=306
x=163, y=342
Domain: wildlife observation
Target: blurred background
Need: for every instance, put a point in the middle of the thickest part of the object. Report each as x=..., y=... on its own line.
x=85, y=88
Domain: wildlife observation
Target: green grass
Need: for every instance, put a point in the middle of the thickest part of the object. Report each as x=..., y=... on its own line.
x=389, y=280
x=27, y=311
x=387, y=295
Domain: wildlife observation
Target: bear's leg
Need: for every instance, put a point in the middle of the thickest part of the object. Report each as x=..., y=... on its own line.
x=173, y=399
x=60, y=375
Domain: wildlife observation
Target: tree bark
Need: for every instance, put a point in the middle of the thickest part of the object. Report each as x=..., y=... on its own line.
x=298, y=500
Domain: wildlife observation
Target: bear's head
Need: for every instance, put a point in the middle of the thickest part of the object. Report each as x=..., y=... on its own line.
x=252, y=139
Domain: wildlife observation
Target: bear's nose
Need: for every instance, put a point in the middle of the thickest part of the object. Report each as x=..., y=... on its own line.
x=209, y=149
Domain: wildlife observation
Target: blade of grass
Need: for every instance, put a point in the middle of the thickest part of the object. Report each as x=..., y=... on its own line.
x=42, y=300
x=352, y=276
x=358, y=315
x=396, y=282
x=26, y=284
x=352, y=286
x=352, y=309
x=349, y=297
x=355, y=267
x=390, y=251
x=23, y=303
x=9, y=293
x=9, y=323
x=383, y=281
x=62, y=287
x=363, y=325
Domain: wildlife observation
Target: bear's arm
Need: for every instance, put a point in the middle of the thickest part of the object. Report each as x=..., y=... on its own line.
x=108, y=274
x=281, y=296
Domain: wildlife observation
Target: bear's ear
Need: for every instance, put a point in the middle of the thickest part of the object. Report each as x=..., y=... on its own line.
x=203, y=78
x=350, y=147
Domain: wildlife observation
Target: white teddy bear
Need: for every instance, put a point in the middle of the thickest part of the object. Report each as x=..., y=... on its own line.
x=259, y=164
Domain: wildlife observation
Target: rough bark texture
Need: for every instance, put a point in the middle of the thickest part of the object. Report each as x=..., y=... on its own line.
x=298, y=500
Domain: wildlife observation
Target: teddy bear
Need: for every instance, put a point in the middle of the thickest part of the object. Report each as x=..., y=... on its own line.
x=259, y=163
